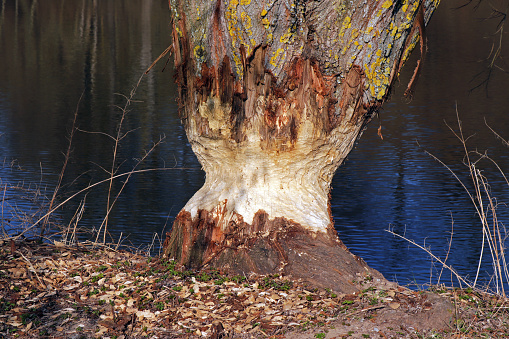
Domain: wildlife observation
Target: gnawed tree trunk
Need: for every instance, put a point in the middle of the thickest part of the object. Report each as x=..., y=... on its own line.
x=273, y=95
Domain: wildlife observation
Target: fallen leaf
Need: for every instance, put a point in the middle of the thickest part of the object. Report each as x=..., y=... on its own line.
x=394, y=305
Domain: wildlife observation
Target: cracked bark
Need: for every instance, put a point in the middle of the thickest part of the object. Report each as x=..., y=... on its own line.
x=273, y=96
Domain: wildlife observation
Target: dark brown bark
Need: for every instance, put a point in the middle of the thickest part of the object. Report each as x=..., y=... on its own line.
x=268, y=246
x=273, y=99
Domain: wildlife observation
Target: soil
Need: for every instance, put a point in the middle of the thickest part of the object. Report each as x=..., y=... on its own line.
x=57, y=291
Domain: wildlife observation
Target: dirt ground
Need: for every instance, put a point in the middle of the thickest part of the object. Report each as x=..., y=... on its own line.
x=56, y=291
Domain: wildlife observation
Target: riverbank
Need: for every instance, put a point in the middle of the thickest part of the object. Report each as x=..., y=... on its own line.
x=56, y=291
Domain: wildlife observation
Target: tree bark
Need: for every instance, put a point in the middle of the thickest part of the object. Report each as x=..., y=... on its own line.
x=273, y=95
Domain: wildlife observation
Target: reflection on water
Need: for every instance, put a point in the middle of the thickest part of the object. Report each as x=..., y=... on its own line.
x=392, y=183
x=55, y=52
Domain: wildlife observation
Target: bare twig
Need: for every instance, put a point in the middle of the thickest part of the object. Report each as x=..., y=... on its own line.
x=105, y=221
x=493, y=231
x=166, y=51
x=119, y=136
x=365, y=310
x=452, y=270
x=495, y=53
x=75, y=220
x=3, y=219
x=504, y=142
x=64, y=166
x=33, y=269
x=448, y=250
x=89, y=187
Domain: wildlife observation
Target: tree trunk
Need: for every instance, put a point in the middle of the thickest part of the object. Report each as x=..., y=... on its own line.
x=273, y=95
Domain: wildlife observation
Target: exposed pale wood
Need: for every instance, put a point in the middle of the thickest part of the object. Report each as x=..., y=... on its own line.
x=273, y=96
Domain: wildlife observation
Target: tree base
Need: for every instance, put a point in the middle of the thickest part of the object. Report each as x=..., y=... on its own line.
x=268, y=247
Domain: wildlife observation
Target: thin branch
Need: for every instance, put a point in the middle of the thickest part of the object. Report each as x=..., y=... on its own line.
x=166, y=51
x=32, y=267
x=504, y=142
x=87, y=189
x=66, y=160
x=100, y=133
x=448, y=250
x=452, y=270
x=105, y=220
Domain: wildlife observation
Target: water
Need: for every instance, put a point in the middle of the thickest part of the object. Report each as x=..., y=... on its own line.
x=53, y=53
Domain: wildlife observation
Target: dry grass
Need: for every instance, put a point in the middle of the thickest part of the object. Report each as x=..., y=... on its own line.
x=494, y=233
x=18, y=221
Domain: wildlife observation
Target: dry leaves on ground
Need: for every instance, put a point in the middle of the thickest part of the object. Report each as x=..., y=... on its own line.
x=63, y=292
